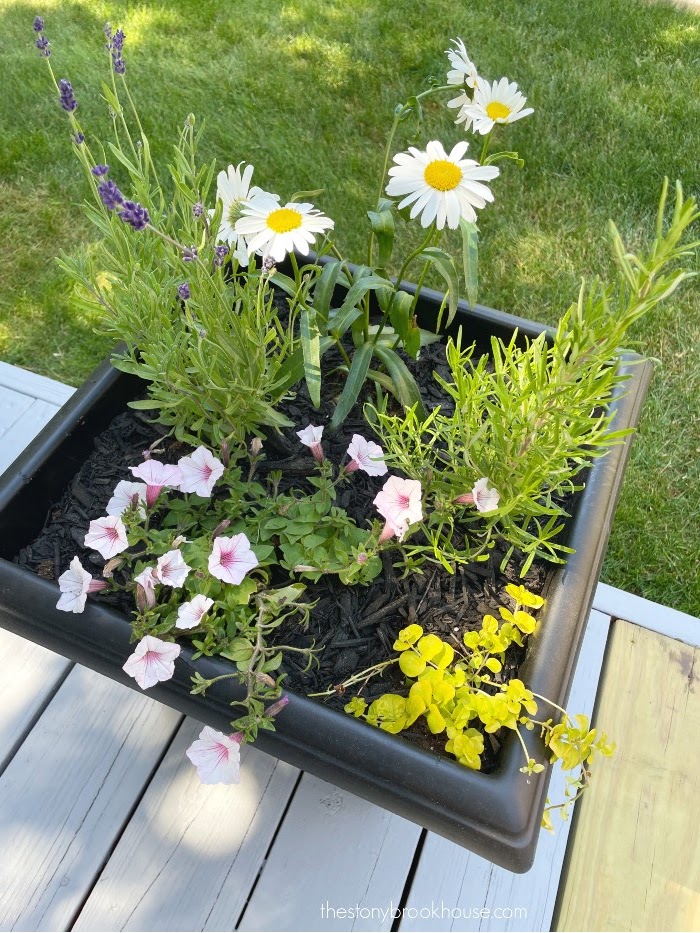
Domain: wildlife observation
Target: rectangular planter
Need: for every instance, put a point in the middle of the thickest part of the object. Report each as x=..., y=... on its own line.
x=496, y=815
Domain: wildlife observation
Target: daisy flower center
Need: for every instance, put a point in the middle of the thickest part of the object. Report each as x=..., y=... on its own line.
x=498, y=111
x=442, y=175
x=283, y=220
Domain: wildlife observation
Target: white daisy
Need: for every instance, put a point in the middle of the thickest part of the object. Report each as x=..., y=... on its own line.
x=276, y=231
x=463, y=69
x=500, y=102
x=234, y=190
x=442, y=188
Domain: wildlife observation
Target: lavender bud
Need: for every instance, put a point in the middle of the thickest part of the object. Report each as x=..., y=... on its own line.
x=38, y=24
x=99, y=170
x=184, y=291
x=119, y=65
x=189, y=254
x=220, y=254
x=197, y=209
x=118, y=40
x=108, y=34
x=268, y=265
x=42, y=43
x=78, y=139
x=68, y=101
x=135, y=215
x=111, y=195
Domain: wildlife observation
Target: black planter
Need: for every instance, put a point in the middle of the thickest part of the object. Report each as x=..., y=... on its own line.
x=496, y=815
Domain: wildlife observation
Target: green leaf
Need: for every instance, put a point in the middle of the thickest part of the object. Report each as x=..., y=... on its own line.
x=404, y=384
x=445, y=265
x=311, y=348
x=302, y=195
x=292, y=370
x=146, y=404
x=323, y=290
x=353, y=384
x=497, y=156
x=356, y=292
x=382, y=221
x=400, y=313
x=470, y=258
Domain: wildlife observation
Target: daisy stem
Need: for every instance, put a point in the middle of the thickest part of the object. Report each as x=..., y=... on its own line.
x=402, y=271
x=485, y=149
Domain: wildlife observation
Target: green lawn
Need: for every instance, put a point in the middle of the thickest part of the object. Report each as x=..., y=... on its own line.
x=305, y=90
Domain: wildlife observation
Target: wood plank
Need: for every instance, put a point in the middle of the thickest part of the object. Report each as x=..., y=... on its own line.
x=25, y=430
x=67, y=793
x=191, y=853
x=334, y=853
x=647, y=614
x=470, y=893
x=33, y=385
x=635, y=859
x=31, y=675
x=12, y=406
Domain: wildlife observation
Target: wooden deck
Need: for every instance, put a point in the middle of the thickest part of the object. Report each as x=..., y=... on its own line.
x=105, y=826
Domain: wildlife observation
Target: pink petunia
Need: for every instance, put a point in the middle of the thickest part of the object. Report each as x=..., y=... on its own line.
x=217, y=757
x=399, y=503
x=366, y=456
x=156, y=475
x=108, y=536
x=171, y=569
x=310, y=437
x=190, y=614
x=483, y=496
x=152, y=661
x=231, y=558
x=199, y=472
x=123, y=496
x=75, y=583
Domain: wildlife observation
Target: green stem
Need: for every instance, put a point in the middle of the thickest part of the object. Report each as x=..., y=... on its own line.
x=485, y=148
x=402, y=271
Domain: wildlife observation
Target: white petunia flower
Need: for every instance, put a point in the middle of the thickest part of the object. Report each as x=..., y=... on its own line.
x=442, y=188
x=500, y=102
x=463, y=69
x=217, y=757
x=366, y=456
x=276, y=231
x=171, y=569
x=483, y=496
x=108, y=536
x=232, y=558
x=153, y=660
x=123, y=495
x=234, y=190
x=156, y=475
x=190, y=614
x=200, y=471
x=310, y=436
x=75, y=583
x=399, y=503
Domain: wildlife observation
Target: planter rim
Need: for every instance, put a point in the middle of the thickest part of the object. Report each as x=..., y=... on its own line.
x=479, y=811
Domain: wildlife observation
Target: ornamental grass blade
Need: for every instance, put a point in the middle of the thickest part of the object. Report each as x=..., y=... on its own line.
x=311, y=348
x=353, y=384
x=403, y=384
x=470, y=259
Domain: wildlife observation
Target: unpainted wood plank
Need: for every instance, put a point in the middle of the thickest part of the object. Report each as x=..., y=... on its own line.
x=12, y=405
x=34, y=385
x=31, y=675
x=453, y=889
x=635, y=860
x=647, y=614
x=191, y=853
x=25, y=430
x=67, y=793
x=337, y=863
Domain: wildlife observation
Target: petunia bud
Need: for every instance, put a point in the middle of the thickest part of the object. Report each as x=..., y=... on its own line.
x=225, y=453
x=277, y=707
x=256, y=445
x=221, y=528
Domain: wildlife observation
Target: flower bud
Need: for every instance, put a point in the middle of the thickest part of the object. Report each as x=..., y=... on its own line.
x=225, y=453
x=256, y=445
x=221, y=528
x=277, y=707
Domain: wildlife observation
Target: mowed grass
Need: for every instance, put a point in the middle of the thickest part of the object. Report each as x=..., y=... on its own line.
x=305, y=90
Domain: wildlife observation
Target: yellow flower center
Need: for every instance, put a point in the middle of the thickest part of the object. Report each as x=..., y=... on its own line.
x=442, y=175
x=498, y=111
x=284, y=219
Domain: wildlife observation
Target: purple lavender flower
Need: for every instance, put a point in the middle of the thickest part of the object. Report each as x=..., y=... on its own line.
x=110, y=194
x=119, y=65
x=68, y=101
x=189, y=254
x=268, y=264
x=78, y=139
x=135, y=215
x=108, y=34
x=118, y=41
x=220, y=254
x=38, y=24
x=184, y=291
x=42, y=43
x=99, y=170
x=197, y=209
